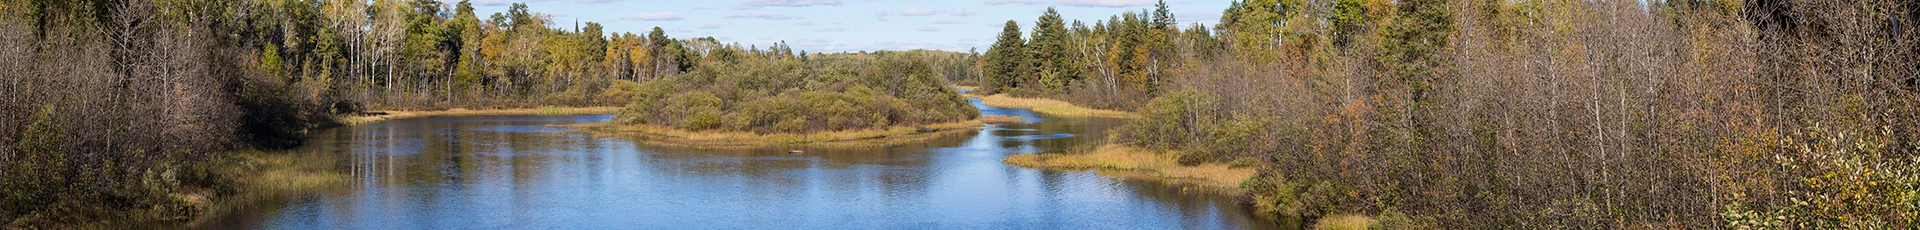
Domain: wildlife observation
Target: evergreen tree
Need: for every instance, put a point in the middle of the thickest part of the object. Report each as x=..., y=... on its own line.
x=1051, y=65
x=1006, y=61
x=1163, y=17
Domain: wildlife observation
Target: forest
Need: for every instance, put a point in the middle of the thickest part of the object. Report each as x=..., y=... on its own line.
x=114, y=105
x=1516, y=114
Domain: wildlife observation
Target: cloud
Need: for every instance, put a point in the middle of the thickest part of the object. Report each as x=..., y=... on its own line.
x=928, y=28
x=963, y=12
x=709, y=26
x=836, y=29
x=947, y=21
x=767, y=16
x=804, y=23
x=1104, y=3
x=655, y=16
x=703, y=7
x=1021, y=2
x=917, y=11
x=753, y=4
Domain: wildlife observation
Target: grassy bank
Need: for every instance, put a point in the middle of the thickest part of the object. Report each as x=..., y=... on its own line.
x=377, y=116
x=670, y=136
x=259, y=176
x=244, y=177
x=1157, y=166
x=1049, y=106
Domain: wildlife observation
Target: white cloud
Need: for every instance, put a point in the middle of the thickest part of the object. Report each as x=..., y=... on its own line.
x=655, y=16
x=947, y=21
x=767, y=16
x=1021, y=2
x=1105, y=3
x=917, y=11
x=752, y=4
x=928, y=28
x=963, y=12
x=709, y=26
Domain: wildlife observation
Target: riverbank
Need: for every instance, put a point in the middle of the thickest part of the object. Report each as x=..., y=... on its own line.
x=378, y=116
x=244, y=177
x=1049, y=106
x=261, y=176
x=1141, y=163
x=670, y=136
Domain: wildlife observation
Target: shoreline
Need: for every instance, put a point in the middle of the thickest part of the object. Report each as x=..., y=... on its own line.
x=263, y=176
x=1128, y=162
x=676, y=137
x=384, y=115
x=1049, y=106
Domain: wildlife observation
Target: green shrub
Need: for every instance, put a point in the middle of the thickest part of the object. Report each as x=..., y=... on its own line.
x=36, y=173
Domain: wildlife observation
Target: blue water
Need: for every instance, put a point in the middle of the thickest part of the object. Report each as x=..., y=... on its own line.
x=521, y=173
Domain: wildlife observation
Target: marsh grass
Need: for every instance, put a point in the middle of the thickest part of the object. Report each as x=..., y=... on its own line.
x=1344, y=222
x=1050, y=106
x=1118, y=157
x=992, y=119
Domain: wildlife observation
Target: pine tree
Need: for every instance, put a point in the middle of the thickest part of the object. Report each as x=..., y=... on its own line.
x=1006, y=61
x=1051, y=63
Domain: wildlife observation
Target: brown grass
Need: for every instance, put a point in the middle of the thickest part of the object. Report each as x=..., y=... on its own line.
x=670, y=136
x=1343, y=222
x=542, y=111
x=1050, y=106
x=990, y=119
x=1117, y=157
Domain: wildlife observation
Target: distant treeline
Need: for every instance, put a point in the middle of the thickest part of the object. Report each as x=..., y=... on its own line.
x=1518, y=114
x=771, y=92
x=123, y=109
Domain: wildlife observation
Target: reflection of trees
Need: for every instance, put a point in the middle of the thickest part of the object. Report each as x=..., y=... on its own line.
x=408, y=168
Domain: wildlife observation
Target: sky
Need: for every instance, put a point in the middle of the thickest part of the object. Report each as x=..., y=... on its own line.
x=841, y=25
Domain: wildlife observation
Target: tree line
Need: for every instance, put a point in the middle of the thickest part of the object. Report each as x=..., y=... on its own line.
x=1519, y=114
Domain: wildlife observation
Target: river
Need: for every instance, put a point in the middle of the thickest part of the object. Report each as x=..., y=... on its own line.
x=521, y=173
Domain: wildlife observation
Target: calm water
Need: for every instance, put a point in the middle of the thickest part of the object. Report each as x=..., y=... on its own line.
x=519, y=173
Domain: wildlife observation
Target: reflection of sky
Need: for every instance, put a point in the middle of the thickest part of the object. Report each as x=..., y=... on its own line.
x=465, y=173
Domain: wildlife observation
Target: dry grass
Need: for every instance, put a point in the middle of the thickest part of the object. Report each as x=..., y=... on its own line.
x=1117, y=157
x=1343, y=222
x=1050, y=106
x=542, y=111
x=670, y=136
x=990, y=119
x=286, y=172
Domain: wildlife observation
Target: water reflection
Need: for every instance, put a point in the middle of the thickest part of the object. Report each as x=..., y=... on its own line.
x=517, y=172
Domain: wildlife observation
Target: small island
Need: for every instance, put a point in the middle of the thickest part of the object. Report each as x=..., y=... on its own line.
x=753, y=98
